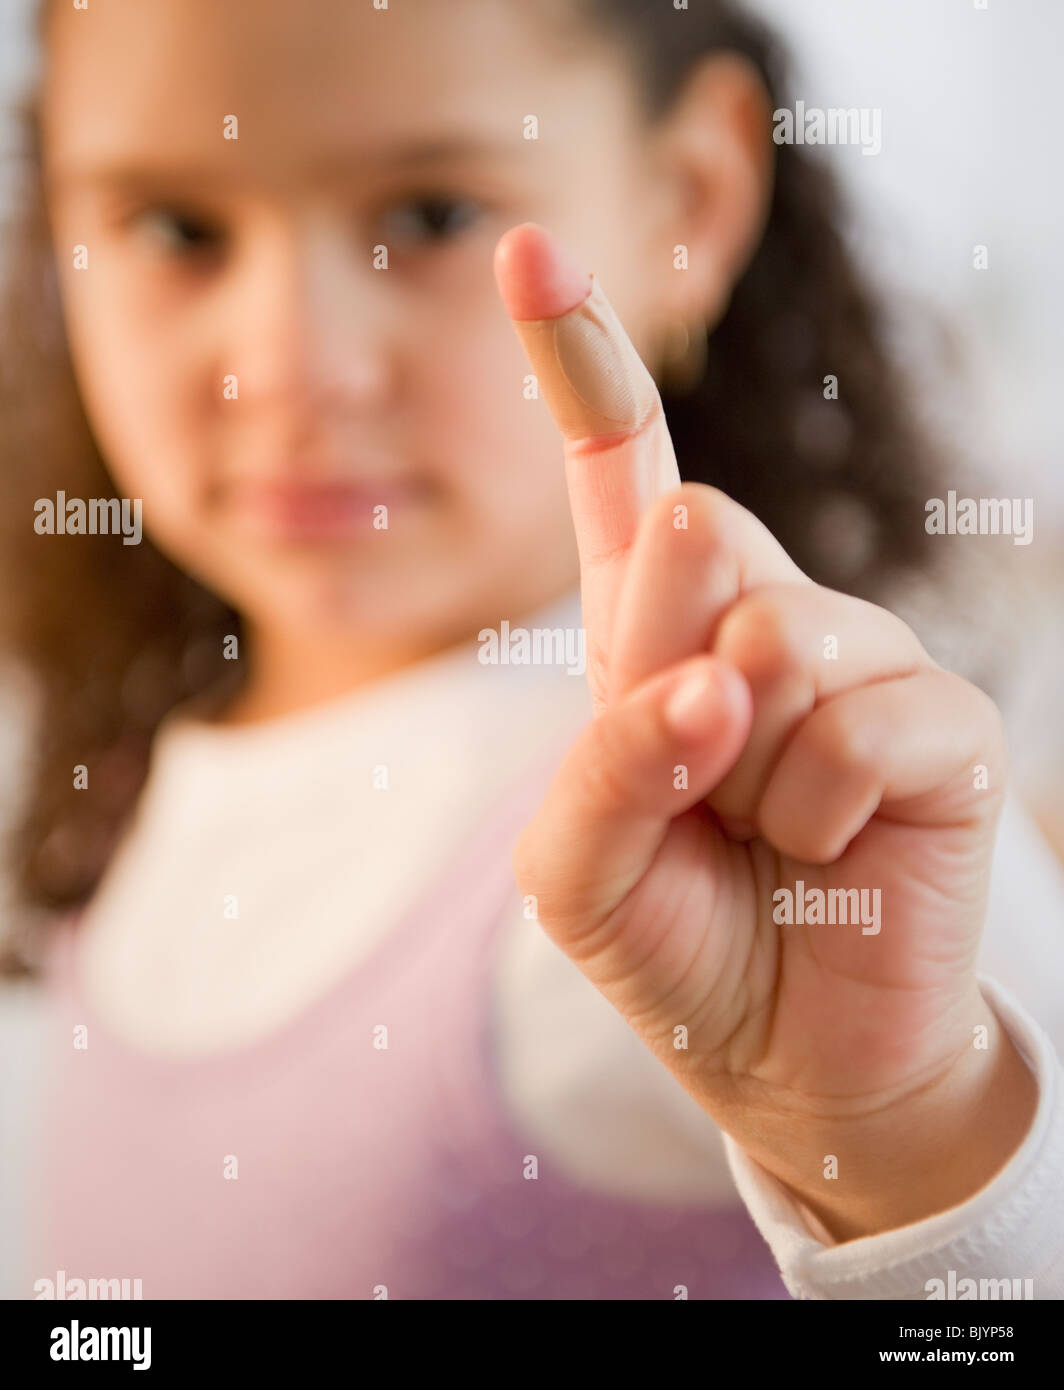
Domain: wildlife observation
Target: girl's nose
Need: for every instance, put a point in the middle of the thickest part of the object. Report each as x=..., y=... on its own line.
x=306, y=323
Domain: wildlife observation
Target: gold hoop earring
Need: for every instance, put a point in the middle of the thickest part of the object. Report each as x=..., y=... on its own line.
x=683, y=356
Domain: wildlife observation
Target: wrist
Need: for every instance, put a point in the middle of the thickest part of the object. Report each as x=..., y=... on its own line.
x=916, y=1155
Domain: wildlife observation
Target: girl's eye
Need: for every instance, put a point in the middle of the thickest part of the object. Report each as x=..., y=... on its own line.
x=178, y=233
x=431, y=218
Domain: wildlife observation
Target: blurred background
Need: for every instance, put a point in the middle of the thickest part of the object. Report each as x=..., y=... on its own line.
x=969, y=157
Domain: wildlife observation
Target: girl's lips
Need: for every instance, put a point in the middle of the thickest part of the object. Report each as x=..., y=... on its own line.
x=295, y=510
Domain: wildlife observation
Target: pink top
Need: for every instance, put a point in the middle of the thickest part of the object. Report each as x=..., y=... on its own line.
x=359, y=1166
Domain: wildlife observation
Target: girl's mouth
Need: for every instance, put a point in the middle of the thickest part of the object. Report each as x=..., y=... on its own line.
x=299, y=510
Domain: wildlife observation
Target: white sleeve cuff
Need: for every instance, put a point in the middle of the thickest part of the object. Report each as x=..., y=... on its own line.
x=1012, y=1229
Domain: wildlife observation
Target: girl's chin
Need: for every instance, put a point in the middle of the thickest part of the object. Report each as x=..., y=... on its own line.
x=353, y=602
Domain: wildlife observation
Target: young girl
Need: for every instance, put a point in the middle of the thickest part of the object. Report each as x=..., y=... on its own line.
x=342, y=291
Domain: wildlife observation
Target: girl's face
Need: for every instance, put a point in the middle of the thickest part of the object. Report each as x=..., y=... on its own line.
x=284, y=315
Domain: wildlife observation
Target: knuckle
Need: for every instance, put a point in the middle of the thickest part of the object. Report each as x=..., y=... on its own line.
x=706, y=511
x=761, y=637
x=986, y=710
x=987, y=720
x=710, y=511
x=838, y=736
x=667, y=518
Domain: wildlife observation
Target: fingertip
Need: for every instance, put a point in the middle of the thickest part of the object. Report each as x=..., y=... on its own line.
x=710, y=698
x=537, y=276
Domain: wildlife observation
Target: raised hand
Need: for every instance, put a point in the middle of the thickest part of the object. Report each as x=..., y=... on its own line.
x=764, y=750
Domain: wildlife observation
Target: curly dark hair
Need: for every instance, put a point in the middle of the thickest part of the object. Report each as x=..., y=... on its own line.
x=113, y=637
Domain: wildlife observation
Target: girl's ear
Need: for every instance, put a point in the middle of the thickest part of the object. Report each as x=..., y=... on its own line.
x=717, y=159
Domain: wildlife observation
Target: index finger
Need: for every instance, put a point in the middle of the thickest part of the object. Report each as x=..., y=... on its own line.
x=618, y=452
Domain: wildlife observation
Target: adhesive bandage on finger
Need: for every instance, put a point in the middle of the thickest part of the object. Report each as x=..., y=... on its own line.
x=591, y=376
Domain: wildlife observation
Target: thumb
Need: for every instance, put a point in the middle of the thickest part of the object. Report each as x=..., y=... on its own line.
x=643, y=761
